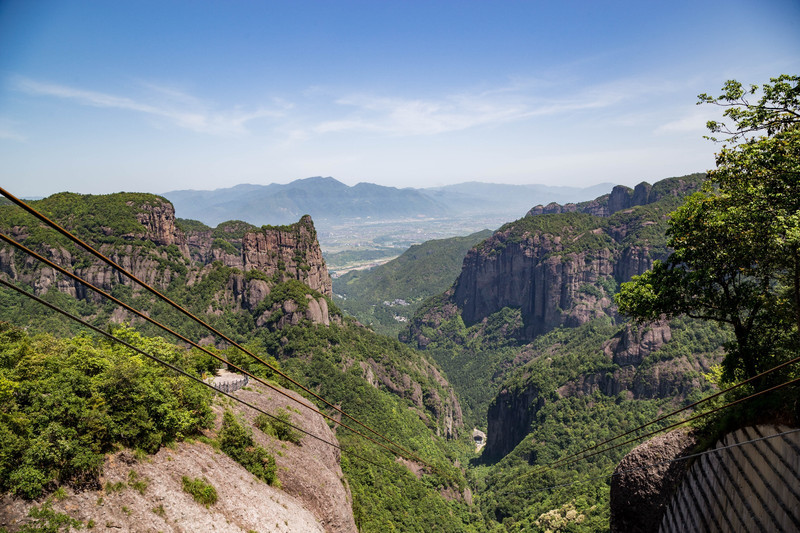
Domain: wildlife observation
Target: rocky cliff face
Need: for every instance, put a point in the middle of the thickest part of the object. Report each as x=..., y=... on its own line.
x=288, y=252
x=672, y=378
x=440, y=409
x=630, y=372
x=536, y=276
x=509, y=419
x=157, y=251
x=560, y=265
x=158, y=222
x=622, y=197
x=242, y=278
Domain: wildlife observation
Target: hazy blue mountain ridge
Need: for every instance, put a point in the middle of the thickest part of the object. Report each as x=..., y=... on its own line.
x=328, y=200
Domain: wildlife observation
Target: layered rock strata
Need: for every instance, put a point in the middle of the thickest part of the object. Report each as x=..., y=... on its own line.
x=560, y=265
x=265, y=256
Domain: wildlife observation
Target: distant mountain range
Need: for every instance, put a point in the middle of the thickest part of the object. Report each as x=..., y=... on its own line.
x=330, y=201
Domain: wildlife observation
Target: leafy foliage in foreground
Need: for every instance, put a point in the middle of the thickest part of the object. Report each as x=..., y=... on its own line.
x=332, y=360
x=64, y=403
x=736, y=244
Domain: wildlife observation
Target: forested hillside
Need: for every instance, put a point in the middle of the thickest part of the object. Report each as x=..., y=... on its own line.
x=534, y=275
x=266, y=288
x=530, y=338
x=528, y=343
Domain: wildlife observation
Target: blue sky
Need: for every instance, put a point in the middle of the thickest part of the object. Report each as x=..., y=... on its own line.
x=99, y=96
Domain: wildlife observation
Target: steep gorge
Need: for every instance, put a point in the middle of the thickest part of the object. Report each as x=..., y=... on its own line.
x=530, y=336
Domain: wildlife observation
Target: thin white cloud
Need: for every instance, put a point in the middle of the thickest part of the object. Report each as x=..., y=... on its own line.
x=171, y=93
x=519, y=100
x=402, y=116
x=181, y=109
x=515, y=102
x=9, y=132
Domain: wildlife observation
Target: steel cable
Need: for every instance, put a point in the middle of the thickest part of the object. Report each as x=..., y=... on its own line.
x=559, y=462
x=184, y=339
x=177, y=369
x=158, y=294
x=650, y=465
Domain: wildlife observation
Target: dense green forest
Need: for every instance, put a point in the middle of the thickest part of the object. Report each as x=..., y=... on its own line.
x=333, y=361
x=68, y=401
x=569, y=422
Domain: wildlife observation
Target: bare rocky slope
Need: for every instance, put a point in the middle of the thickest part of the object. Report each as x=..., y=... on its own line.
x=144, y=493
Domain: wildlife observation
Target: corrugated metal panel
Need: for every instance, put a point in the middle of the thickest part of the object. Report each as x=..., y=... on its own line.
x=754, y=487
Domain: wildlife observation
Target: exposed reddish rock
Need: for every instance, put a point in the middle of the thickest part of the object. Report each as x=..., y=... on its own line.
x=279, y=254
x=291, y=252
x=159, y=223
x=289, y=313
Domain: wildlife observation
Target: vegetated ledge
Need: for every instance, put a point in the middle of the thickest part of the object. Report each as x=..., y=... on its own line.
x=144, y=492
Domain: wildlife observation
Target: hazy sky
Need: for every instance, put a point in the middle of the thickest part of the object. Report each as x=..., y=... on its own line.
x=102, y=96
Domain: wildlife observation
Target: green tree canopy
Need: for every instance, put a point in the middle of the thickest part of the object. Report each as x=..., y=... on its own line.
x=777, y=110
x=736, y=244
